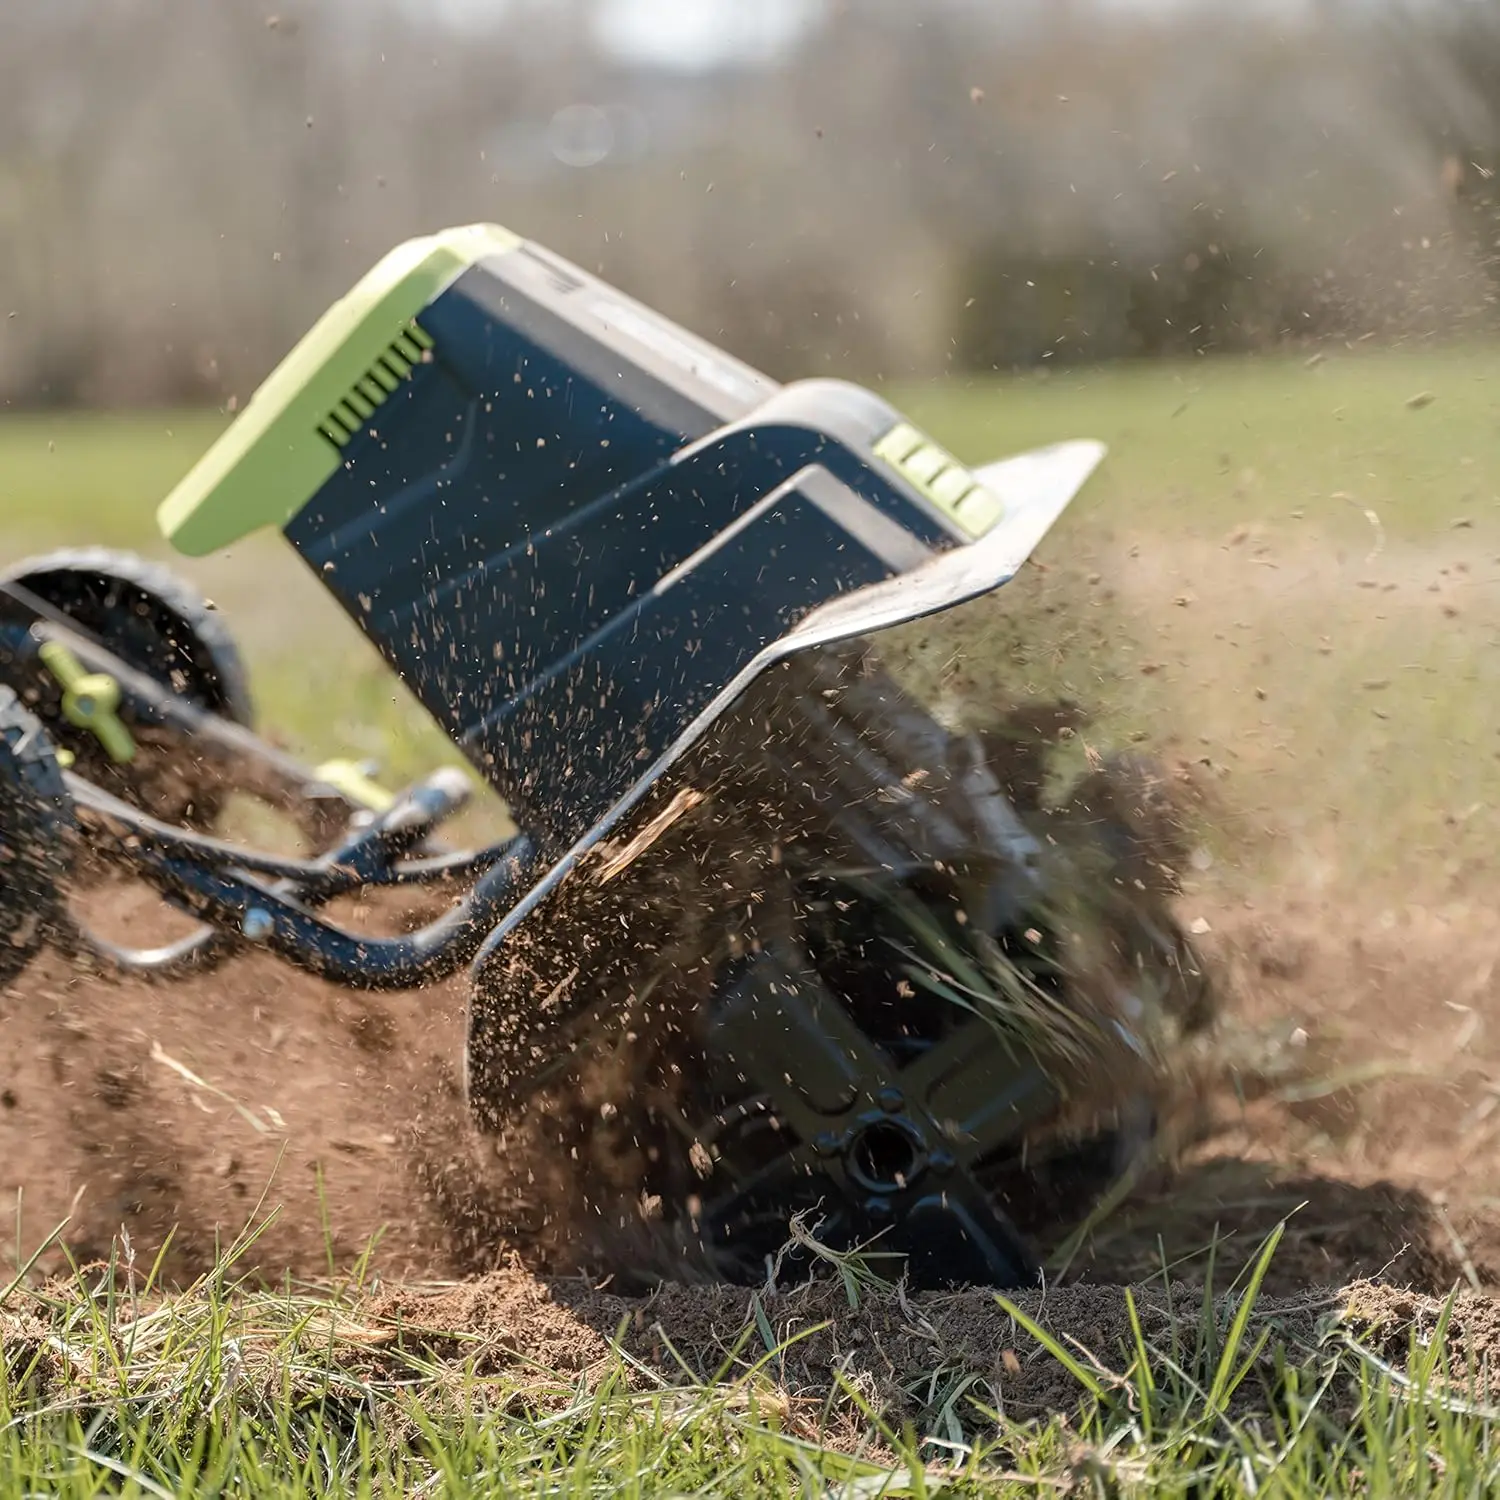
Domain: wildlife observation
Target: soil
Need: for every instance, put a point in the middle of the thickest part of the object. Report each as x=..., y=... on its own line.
x=180, y=1113
x=905, y=1355
x=887, y=1347
x=1363, y=1104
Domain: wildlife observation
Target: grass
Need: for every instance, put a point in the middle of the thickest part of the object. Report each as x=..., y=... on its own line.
x=107, y=1386
x=1268, y=577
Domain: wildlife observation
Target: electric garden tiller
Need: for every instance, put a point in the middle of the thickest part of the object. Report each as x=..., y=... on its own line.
x=837, y=966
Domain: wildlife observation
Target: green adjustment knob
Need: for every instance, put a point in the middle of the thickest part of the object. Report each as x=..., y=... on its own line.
x=90, y=701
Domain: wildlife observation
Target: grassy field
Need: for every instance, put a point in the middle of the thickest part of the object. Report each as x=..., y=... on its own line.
x=1200, y=448
x=1285, y=576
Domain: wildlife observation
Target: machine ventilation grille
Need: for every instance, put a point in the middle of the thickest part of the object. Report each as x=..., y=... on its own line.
x=348, y=416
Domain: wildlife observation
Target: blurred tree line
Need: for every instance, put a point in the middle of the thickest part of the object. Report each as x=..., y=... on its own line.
x=912, y=188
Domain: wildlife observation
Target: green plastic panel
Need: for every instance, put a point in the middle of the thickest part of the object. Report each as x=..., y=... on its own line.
x=935, y=473
x=286, y=444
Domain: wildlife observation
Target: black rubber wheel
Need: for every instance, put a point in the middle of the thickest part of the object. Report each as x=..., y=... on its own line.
x=36, y=835
x=161, y=625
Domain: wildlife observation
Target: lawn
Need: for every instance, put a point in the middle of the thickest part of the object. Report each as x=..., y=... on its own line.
x=1200, y=448
x=1285, y=578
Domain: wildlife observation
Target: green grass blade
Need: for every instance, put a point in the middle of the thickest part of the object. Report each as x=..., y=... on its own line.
x=1225, y=1378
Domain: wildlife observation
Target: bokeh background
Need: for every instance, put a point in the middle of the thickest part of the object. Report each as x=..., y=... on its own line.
x=896, y=189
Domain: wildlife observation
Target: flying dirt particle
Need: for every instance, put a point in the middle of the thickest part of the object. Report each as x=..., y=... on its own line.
x=976, y=96
x=1463, y=523
x=1200, y=927
x=373, y=1030
x=1452, y=611
x=1260, y=693
x=114, y=1089
x=1375, y=684
x=1183, y=600
x=1314, y=361
x=1421, y=399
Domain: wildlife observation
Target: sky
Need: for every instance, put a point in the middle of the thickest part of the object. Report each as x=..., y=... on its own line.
x=703, y=33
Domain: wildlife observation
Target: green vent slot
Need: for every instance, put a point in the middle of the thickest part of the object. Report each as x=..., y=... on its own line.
x=934, y=473
x=359, y=403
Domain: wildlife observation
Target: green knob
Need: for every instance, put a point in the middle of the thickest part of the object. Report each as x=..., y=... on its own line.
x=90, y=702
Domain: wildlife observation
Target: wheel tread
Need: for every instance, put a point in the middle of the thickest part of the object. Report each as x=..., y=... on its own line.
x=176, y=596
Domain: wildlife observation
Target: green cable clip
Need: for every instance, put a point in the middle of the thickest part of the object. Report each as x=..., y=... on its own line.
x=90, y=701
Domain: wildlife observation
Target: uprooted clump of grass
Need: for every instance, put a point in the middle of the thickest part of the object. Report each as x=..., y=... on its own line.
x=108, y=1385
x=1097, y=986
